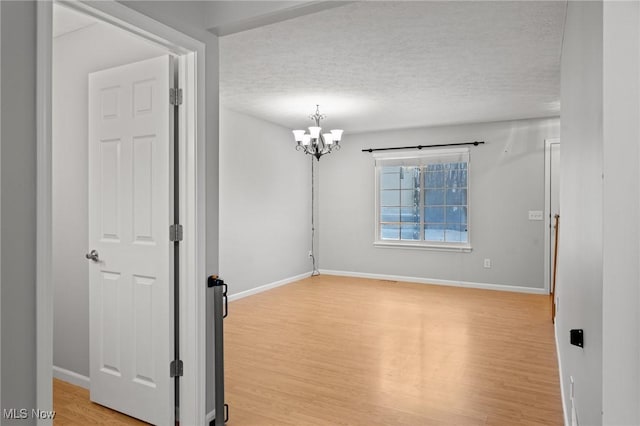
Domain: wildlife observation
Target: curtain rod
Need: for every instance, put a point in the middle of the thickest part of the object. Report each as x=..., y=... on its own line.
x=474, y=143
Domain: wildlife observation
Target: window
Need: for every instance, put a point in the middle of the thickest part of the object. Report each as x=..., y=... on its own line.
x=422, y=199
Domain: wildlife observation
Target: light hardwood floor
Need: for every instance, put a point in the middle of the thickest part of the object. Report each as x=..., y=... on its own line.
x=347, y=351
x=73, y=408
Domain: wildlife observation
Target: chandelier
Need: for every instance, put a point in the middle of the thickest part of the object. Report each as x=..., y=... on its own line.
x=316, y=143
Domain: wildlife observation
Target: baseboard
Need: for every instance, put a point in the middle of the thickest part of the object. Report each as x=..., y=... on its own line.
x=211, y=415
x=564, y=404
x=269, y=286
x=467, y=284
x=71, y=377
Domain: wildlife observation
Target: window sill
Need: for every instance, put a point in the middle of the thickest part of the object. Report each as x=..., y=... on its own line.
x=420, y=246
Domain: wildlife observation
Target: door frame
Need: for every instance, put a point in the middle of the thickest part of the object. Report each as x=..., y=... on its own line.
x=191, y=145
x=547, y=212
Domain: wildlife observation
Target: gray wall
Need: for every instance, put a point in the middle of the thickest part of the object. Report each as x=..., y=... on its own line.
x=579, y=285
x=18, y=145
x=75, y=55
x=265, y=203
x=621, y=215
x=507, y=180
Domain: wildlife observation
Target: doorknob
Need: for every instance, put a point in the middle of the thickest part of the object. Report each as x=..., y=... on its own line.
x=92, y=256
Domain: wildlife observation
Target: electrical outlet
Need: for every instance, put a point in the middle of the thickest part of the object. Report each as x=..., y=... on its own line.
x=487, y=263
x=310, y=253
x=536, y=215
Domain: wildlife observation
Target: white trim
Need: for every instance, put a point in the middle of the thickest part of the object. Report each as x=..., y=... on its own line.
x=44, y=286
x=269, y=286
x=192, y=208
x=0, y=213
x=71, y=377
x=210, y=416
x=434, y=281
x=564, y=405
x=547, y=212
x=420, y=246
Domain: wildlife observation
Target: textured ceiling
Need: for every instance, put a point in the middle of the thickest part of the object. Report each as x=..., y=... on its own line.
x=385, y=65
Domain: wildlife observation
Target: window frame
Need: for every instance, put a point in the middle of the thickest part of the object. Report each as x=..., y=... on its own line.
x=421, y=244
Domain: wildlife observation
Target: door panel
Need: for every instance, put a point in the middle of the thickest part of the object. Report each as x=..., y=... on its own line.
x=130, y=211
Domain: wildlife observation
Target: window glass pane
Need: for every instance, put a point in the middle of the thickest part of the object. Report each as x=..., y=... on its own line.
x=390, y=181
x=424, y=203
x=456, y=233
x=434, y=214
x=410, y=178
x=410, y=214
x=410, y=232
x=434, y=197
x=410, y=197
x=433, y=232
x=390, y=198
x=456, y=197
x=390, y=214
x=456, y=214
x=434, y=179
x=389, y=231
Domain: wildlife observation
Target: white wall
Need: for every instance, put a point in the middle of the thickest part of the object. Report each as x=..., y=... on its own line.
x=75, y=55
x=621, y=274
x=579, y=279
x=265, y=203
x=506, y=181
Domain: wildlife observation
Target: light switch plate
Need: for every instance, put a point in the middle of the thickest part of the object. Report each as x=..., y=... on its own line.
x=536, y=215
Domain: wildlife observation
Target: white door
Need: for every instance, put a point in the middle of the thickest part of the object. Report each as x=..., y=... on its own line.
x=130, y=211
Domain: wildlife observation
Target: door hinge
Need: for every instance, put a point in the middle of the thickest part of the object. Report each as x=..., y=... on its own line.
x=175, y=96
x=175, y=232
x=176, y=368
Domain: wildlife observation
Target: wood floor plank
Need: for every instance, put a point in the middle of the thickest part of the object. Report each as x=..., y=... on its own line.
x=348, y=351
x=74, y=408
